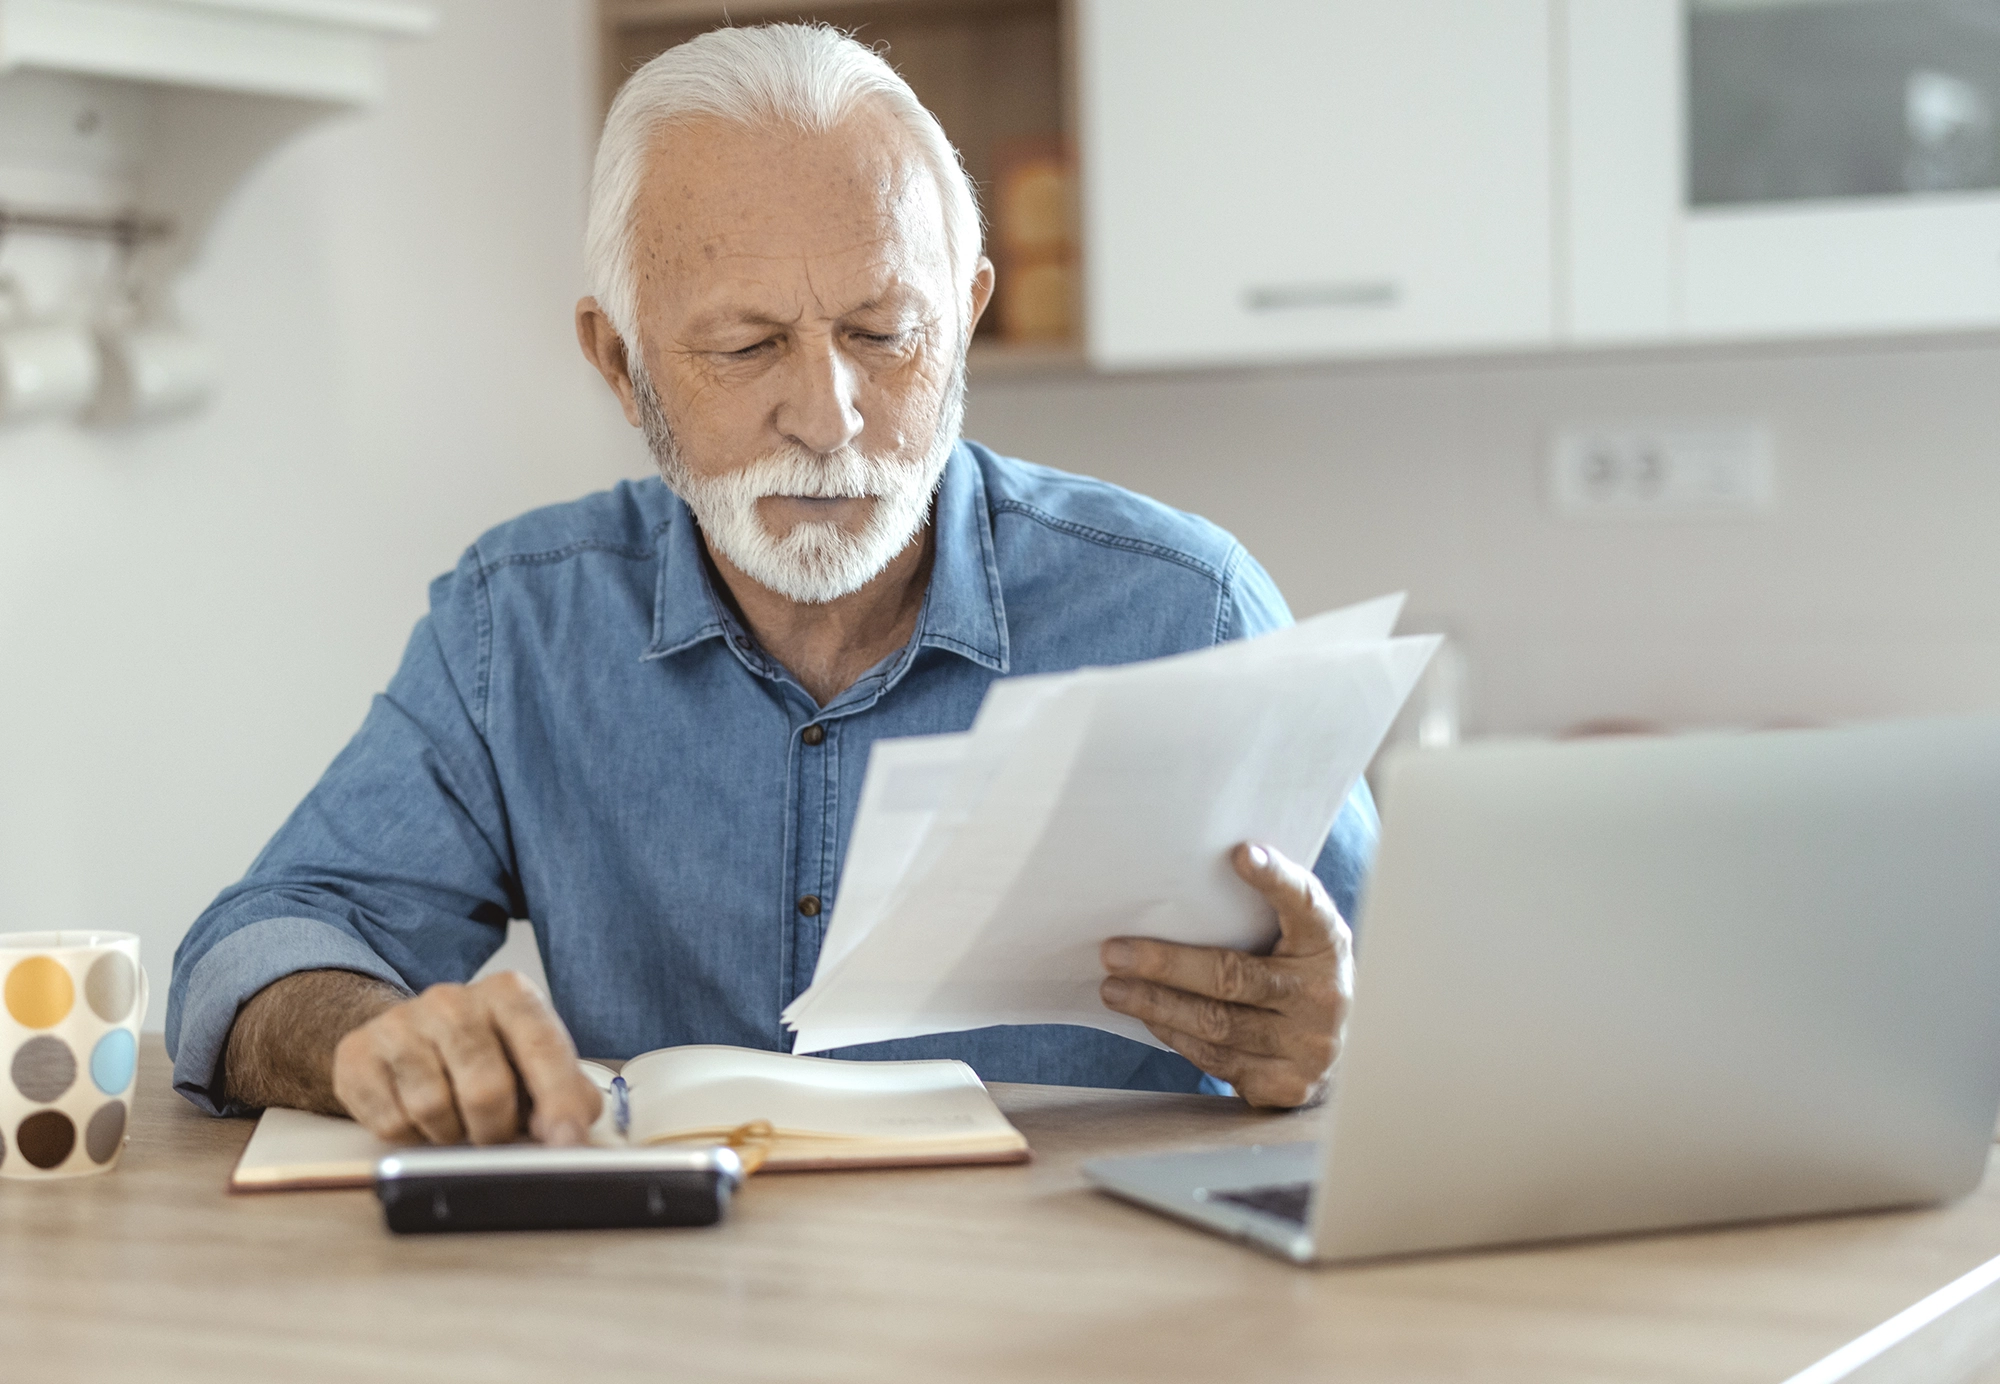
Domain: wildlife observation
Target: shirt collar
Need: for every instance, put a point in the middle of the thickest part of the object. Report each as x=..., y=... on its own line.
x=963, y=612
x=686, y=610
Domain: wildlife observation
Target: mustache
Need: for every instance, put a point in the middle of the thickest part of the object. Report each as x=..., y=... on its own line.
x=847, y=474
x=792, y=470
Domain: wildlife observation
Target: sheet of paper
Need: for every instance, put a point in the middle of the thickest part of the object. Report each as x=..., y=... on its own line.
x=921, y=790
x=908, y=781
x=1093, y=804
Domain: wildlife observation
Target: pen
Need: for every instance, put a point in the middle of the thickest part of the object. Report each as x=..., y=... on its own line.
x=621, y=1116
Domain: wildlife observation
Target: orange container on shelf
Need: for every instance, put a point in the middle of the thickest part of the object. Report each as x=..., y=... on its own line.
x=1034, y=240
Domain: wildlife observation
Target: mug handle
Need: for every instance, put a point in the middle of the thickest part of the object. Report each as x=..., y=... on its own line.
x=145, y=998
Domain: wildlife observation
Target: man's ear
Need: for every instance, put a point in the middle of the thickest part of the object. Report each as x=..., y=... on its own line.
x=605, y=349
x=982, y=293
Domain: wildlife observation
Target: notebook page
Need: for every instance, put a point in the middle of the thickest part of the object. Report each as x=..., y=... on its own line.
x=295, y=1148
x=678, y=1091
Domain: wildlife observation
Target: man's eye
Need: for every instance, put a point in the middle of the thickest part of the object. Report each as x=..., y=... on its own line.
x=748, y=351
x=884, y=338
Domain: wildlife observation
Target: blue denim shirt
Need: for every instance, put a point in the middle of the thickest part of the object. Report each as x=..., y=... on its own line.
x=583, y=735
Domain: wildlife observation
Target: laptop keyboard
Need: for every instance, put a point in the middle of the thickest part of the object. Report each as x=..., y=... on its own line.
x=1285, y=1200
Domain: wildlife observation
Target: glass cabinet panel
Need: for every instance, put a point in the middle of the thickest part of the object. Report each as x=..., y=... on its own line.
x=1789, y=100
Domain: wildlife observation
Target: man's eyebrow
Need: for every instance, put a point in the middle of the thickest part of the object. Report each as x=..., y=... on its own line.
x=716, y=318
x=902, y=302
x=899, y=300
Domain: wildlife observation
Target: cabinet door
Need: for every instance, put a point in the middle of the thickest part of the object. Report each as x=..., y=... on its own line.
x=1622, y=115
x=1843, y=167
x=1287, y=179
x=1780, y=170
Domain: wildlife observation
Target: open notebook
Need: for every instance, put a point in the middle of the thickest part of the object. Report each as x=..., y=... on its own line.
x=823, y=1113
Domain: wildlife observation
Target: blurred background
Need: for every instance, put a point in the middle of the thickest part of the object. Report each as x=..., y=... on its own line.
x=1652, y=345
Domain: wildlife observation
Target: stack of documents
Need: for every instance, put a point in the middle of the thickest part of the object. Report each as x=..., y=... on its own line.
x=985, y=868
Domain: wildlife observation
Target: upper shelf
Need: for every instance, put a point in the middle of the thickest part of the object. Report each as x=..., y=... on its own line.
x=995, y=73
x=309, y=50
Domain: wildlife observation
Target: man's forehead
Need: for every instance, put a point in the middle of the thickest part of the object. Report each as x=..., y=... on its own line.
x=717, y=191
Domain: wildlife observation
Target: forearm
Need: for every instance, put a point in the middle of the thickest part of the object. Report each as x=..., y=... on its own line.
x=280, y=1049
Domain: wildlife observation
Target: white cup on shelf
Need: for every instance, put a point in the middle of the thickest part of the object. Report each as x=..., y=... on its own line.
x=46, y=371
x=152, y=372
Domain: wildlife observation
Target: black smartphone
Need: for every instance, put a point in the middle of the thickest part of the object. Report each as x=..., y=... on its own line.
x=532, y=1187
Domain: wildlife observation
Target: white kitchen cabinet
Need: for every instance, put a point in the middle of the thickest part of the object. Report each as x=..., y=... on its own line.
x=1746, y=169
x=1293, y=179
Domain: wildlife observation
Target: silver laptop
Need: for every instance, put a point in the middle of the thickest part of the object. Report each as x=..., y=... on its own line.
x=1630, y=985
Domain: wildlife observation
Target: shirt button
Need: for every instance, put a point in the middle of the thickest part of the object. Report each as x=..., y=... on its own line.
x=809, y=905
x=813, y=734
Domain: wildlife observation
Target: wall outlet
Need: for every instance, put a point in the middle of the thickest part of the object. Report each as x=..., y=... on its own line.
x=1683, y=470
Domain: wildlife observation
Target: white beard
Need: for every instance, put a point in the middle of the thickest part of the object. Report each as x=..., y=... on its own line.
x=817, y=561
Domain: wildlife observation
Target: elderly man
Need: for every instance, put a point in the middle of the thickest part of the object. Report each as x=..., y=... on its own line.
x=640, y=720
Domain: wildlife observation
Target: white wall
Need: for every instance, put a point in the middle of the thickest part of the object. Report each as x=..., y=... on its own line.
x=1873, y=589
x=193, y=617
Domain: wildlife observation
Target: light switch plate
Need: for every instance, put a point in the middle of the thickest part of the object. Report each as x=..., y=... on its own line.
x=1665, y=470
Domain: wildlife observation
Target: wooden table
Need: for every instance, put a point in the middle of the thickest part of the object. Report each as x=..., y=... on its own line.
x=1015, y=1273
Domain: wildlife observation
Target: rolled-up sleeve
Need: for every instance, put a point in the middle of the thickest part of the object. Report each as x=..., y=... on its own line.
x=397, y=865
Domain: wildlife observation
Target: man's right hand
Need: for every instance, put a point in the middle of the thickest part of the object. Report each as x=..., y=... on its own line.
x=463, y=1062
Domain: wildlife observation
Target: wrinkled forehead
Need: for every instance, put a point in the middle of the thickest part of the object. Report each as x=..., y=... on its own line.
x=727, y=199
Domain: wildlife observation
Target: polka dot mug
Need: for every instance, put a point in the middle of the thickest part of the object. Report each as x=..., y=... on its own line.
x=69, y=1048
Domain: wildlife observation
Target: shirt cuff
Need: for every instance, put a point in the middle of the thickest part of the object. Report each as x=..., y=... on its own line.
x=235, y=969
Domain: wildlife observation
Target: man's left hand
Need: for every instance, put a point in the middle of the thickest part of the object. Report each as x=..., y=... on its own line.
x=1268, y=1025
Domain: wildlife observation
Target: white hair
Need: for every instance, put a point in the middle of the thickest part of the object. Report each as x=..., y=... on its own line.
x=807, y=75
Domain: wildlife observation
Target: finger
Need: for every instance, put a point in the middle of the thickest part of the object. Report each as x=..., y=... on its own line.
x=565, y=1101
x=366, y=1089
x=1237, y=1027
x=1262, y=1081
x=422, y=1088
x=1216, y=972
x=475, y=1064
x=1307, y=919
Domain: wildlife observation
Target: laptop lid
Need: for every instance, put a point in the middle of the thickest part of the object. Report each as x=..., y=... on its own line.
x=1633, y=984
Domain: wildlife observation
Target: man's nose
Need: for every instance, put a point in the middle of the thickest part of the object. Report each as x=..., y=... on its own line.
x=821, y=410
